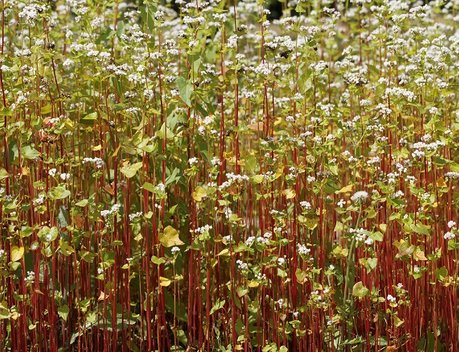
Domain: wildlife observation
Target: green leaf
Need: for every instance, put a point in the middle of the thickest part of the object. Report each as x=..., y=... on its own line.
x=174, y=177
x=242, y=291
x=421, y=229
x=48, y=234
x=372, y=262
x=82, y=203
x=441, y=273
x=258, y=179
x=29, y=153
x=129, y=170
x=158, y=261
x=289, y=193
x=65, y=248
x=398, y=322
x=58, y=192
x=45, y=110
x=150, y=187
x=4, y=311
x=199, y=193
x=217, y=306
x=419, y=254
x=164, y=281
x=334, y=169
x=3, y=174
x=185, y=89
x=345, y=189
x=170, y=237
x=453, y=245
x=90, y=117
x=26, y=231
x=439, y=160
x=88, y=257
x=17, y=253
x=63, y=312
x=359, y=290
x=62, y=217
x=301, y=275
x=376, y=236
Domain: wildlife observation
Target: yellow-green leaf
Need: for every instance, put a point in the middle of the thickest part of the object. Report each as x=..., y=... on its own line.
x=164, y=281
x=419, y=254
x=170, y=237
x=17, y=253
x=129, y=170
x=289, y=193
x=3, y=174
x=258, y=178
x=199, y=193
x=359, y=290
x=82, y=203
x=345, y=189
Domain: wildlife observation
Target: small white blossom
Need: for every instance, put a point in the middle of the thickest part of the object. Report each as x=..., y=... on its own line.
x=391, y=298
x=52, y=172
x=359, y=196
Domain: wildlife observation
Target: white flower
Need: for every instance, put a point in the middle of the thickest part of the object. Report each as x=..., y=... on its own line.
x=135, y=215
x=98, y=162
x=249, y=241
x=175, y=250
x=68, y=63
x=451, y=224
x=64, y=176
x=369, y=241
x=106, y=213
x=268, y=235
x=52, y=172
x=215, y=161
x=359, y=196
x=30, y=278
x=203, y=229
x=449, y=235
x=341, y=203
x=241, y=265
x=192, y=161
x=391, y=298
x=40, y=199
x=302, y=249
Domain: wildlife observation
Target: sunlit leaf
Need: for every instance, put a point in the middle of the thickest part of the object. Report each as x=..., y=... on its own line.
x=170, y=237
x=17, y=253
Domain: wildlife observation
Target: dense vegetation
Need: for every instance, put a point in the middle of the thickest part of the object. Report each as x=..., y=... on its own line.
x=203, y=176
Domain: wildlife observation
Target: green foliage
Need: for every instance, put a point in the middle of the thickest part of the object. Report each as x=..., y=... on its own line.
x=201, y=176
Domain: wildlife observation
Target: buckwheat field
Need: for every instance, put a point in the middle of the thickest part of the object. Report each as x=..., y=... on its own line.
x=229, y=175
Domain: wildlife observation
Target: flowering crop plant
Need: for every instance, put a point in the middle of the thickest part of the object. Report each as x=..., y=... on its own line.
x=243, y=175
